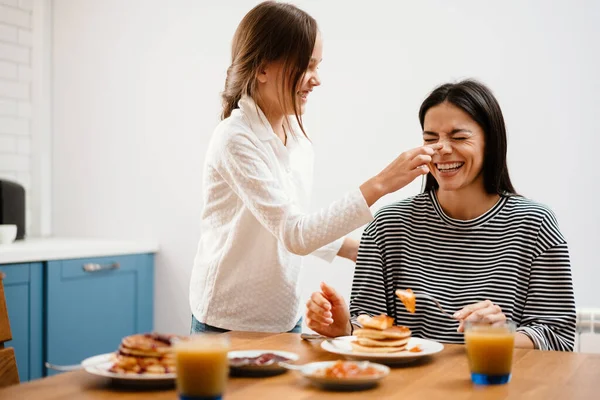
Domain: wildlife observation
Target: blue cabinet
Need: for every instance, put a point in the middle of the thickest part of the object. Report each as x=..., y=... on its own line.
x=65, y=311
x=23, y=288
x=91, y=304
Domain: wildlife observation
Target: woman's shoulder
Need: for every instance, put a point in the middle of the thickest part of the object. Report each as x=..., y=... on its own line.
x=526, y=207
x=539, y=218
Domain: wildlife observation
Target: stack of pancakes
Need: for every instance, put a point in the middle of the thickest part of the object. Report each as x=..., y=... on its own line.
x=150, y=353
x=379, y=335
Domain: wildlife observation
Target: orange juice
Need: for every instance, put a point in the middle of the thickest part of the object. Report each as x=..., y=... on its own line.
x=490, y=352
x=202, y=367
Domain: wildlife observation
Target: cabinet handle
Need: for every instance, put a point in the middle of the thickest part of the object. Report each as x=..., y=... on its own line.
x=99, y=267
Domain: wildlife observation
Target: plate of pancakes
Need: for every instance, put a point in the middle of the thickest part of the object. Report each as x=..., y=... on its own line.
x=379, y=340
x=146, y=357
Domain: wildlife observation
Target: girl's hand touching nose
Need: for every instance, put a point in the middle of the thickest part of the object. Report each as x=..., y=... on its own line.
x=399, y=173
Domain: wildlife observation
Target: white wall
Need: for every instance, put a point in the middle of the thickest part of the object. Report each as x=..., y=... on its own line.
x=16, y=44
x=136, y=97
x=25, y=105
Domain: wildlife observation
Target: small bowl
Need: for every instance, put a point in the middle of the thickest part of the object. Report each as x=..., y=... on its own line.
x=8, y=233
x=309, y=371
x=259, y=370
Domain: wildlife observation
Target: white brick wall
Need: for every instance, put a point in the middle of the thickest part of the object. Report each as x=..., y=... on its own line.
x=16, y=44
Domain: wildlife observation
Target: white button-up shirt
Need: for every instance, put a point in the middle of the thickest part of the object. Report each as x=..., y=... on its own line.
x=256, y=226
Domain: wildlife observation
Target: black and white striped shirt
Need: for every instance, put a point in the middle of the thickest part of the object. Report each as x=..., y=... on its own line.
x=513, y=255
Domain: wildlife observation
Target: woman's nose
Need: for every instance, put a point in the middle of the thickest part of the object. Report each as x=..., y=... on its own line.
x=446, y=147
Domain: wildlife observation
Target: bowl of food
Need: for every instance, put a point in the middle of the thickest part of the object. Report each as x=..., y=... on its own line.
x=259, y=362
x=344, y=375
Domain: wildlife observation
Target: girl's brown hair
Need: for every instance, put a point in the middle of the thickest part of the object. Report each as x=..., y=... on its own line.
x=270, y=32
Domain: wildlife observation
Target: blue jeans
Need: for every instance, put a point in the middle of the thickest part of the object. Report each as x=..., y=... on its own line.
x=198, y=327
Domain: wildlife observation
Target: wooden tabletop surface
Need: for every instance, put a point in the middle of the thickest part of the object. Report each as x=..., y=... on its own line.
x=536, y=375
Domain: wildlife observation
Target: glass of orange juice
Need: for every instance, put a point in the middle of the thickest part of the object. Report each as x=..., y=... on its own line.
x=202, y=366
x=490, y=351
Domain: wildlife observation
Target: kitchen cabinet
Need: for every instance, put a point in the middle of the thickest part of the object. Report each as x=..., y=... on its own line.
x=91, y=304
x=23, y=289
x=65, y=310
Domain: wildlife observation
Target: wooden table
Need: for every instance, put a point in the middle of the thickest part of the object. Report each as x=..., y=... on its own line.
x=536, y=375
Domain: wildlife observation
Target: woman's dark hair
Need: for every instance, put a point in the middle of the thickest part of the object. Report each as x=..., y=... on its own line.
x=270, y=32
x=477, y=100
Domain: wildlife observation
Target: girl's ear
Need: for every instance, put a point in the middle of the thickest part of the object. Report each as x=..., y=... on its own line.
x=262, y=74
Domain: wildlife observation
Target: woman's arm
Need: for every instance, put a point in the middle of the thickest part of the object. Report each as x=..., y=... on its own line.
x=549, y=313
x=522, y=341
x=548, y=317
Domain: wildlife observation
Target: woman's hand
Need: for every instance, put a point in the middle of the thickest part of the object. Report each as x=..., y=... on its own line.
x=327, y=313
x=488, y=312
x=484, y=311
x=399, y=173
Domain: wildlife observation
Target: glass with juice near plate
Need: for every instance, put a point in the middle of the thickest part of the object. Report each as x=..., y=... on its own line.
x=490, y=351
x=202, y=366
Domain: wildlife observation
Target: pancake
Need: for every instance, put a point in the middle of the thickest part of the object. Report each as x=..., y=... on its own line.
x=149, y=344
x=139, y=365
x=382, y=343
x=145, y=353
x=395, y=332
x=149, y=353
x=408, y=299
x=367, y=349
x=380, y=322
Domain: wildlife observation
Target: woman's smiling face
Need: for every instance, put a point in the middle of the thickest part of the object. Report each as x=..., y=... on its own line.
x=459, y=163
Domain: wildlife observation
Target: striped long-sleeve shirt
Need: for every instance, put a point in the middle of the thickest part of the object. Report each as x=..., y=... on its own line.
x=513, y=255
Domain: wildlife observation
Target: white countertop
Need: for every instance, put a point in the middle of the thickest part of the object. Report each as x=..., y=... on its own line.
x=44, y=249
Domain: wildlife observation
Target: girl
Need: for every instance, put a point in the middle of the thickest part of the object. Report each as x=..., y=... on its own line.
x=258, y=178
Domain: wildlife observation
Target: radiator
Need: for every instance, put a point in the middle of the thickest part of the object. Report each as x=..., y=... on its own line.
x=587, y=339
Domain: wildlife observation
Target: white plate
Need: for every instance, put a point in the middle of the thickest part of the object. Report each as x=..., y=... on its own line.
x=359, y=383
x=341, y=346
x=100, y=365
x=270, y=369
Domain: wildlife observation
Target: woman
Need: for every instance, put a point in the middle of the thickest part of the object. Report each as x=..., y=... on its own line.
x=257, y=182
x=469, y=240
